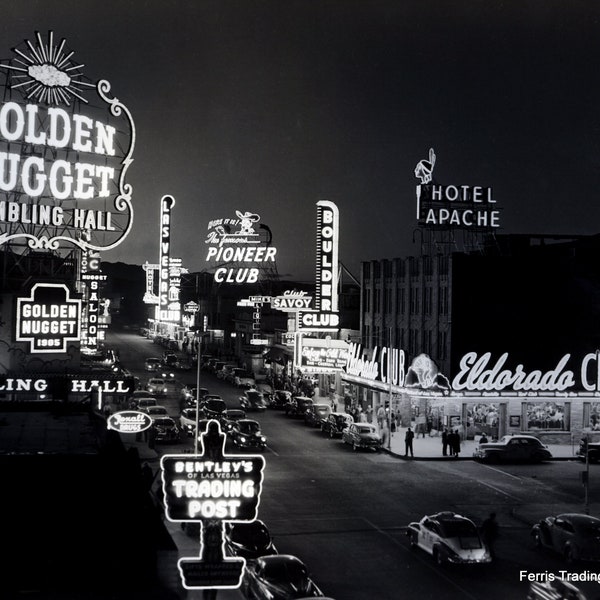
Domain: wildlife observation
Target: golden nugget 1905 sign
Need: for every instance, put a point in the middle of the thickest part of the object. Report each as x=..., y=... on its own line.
x=65, y=147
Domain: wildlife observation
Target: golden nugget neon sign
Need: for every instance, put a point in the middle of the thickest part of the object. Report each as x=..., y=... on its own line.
x=50, y=154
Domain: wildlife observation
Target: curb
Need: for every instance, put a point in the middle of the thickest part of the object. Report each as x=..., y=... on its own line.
x=461, y=458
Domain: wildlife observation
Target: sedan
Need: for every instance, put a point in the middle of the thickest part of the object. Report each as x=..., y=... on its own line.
x=280, y=399
x=249, y=540
x=362, y=435
x=513, y=448
x=246, y=433
x=157, y=386
x=230, y=417
x=187, y=421
x=449, y=538
x=278, y=577
x=165, y=429
x=253, y=400
x=573, y=536
x=335, y=423
x=155, y=412
x=316, y=414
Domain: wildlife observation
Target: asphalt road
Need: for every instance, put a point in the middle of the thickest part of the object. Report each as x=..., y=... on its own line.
x=344, y=513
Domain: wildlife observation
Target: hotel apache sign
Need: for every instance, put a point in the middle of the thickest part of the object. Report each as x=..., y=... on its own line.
x=238, y=241
x=211, y=488
x=48, y=318
x=61, y=164
x=448, y=206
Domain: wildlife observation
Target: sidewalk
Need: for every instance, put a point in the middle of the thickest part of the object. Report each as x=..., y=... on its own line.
x=430, y=448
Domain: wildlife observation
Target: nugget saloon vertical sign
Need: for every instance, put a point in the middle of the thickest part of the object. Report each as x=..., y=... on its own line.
x=65, y=147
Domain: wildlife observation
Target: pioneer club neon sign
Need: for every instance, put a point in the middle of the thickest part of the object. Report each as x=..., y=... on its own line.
x=238, y=244
x=462, y=206
x=61, y=166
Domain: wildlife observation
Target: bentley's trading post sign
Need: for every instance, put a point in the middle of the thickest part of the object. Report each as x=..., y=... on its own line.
x=212, y=488
x=62, y=170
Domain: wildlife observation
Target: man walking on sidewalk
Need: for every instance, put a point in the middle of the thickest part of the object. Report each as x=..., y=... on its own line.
x=408, y=442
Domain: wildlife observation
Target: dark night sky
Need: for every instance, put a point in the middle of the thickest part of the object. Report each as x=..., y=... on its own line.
x=270, y=106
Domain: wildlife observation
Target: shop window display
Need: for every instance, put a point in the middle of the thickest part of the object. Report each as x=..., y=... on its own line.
x=546, y=415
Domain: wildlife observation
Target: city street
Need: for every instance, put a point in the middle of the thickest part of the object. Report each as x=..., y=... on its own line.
x=345, y=513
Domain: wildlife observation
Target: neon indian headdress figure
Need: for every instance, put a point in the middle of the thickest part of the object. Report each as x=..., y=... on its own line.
x=424, y=168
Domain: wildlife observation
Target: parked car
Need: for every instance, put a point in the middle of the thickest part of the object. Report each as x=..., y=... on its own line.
x=335, y=423
x=165, y=429
x=362, y=435
x=280, y=399
x=183, y=365
x=225, y=371
x=157, y=386
x=246, y=433
x=230, y=417
x=169, y=359
x=316, y=414
x=213, y=406
x=297, y=406
x=216, y=367
x=449, y=538
x=278, y=577
x=252, y=400
x=249, y=540
x=188, y=395
x=153, y=364
x=242, y=378
x=154, y=412
x=266, y=390
x=138, y=395
x=187, y=421
x=574, y=536
x=513, y=448
x=557, y=589
x=143, y=404
x=592, y=447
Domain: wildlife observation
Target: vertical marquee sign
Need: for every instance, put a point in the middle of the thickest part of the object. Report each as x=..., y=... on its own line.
x=212, y=488
x=325, y=316
x=169, y=269
x=63, y=158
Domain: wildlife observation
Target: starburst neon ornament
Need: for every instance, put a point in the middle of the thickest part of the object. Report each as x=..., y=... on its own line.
x=47, y=73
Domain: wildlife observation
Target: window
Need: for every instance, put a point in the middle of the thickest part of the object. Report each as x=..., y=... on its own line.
x=547, y=416
x=441, y=345
x=443, y=301
x=592, y=418
x=401, y=301
x=415, y=300
x=367, y=300
x=427, y=300
x=376, y=300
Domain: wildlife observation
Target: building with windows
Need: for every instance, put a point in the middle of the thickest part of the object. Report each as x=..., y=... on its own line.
x=501, y=339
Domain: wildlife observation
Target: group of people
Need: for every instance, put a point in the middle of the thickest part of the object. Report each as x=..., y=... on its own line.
x=450, y=443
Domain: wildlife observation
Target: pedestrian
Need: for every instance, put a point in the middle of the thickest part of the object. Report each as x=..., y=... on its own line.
x=483, y=439
x=455, y=443
x=445, y=442
x=408, y=442
x=380, y=416
x=489, y=533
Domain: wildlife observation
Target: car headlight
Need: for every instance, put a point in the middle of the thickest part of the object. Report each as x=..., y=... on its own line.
x=263, y=438
x=242, y=439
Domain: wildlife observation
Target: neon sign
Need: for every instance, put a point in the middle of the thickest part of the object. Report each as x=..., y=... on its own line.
x=50, y=155
x=211, y=488
x=238, y=241
x=129, y=421
x=386, y=364
x=325, y=315
x=462, y=206
x=321, y=355
x=49, y=318
x=291, y=300
x=477, y=373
